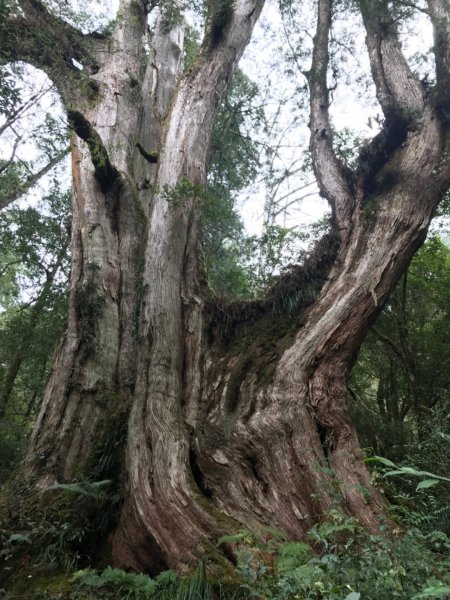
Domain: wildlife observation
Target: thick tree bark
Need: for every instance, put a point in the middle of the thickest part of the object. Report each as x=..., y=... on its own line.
x=244, y=427
x=93, y=374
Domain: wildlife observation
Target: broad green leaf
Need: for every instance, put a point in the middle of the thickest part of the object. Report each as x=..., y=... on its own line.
x=437, y=591
x=415, y=473
x=427, y=483
x=353, y=596
x=409, y=471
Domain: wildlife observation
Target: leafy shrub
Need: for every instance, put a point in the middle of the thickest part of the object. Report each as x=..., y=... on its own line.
x=348, y=564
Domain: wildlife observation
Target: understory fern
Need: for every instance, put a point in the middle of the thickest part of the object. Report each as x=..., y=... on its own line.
x=166, y=586
x=337, y=560
x=340, y=562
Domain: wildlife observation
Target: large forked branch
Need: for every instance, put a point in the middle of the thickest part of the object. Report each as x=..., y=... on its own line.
x=439, y=11
x=228, y=30
x=223, y=31
x=38, y=37
x=329, y=171
x=399, y=92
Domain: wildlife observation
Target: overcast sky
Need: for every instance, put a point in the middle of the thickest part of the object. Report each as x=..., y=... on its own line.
x=262, y=62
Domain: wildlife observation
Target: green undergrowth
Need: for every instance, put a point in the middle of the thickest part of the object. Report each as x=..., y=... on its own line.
x=44, y=537
x=336, y=561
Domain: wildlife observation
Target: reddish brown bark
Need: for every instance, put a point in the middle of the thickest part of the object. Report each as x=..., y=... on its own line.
x=236, y=422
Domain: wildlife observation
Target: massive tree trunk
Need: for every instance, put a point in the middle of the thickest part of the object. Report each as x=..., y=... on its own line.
x=235, y=417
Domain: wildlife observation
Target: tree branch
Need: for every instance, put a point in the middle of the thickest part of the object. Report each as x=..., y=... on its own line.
x=332, y=176
x=35, y=313
x=388, y=341
x=32, y=180
x=38, y=37
x=399, y=92
x=221, y=17
x=18, y=112
x=377, y=152
x=415, y=7
x=219, y=54
x=218, y=20
x=439, y=11
x=8, y=163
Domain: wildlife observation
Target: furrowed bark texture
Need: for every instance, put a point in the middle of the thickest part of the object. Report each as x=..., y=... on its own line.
x=160, y=491
x=235, y=417
x=93, y=371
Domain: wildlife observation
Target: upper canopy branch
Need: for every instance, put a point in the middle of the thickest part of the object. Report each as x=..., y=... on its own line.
x=227, y=20
x=330, y=172
x=23, y=187
x=218, y=20
x=201, y=90
x=398, y=90
x=439, y=11
x=38, y=37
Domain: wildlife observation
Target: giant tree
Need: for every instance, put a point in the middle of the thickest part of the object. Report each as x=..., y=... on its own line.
x=234, y=416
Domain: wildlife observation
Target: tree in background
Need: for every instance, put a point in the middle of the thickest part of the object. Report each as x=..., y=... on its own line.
x=402, y=376
x=24, y=121
x=232, y=416
x=33, y=284
x=232, y=165
x=399, y=389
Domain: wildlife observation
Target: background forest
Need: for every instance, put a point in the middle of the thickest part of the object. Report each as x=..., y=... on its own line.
x=399, y=391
